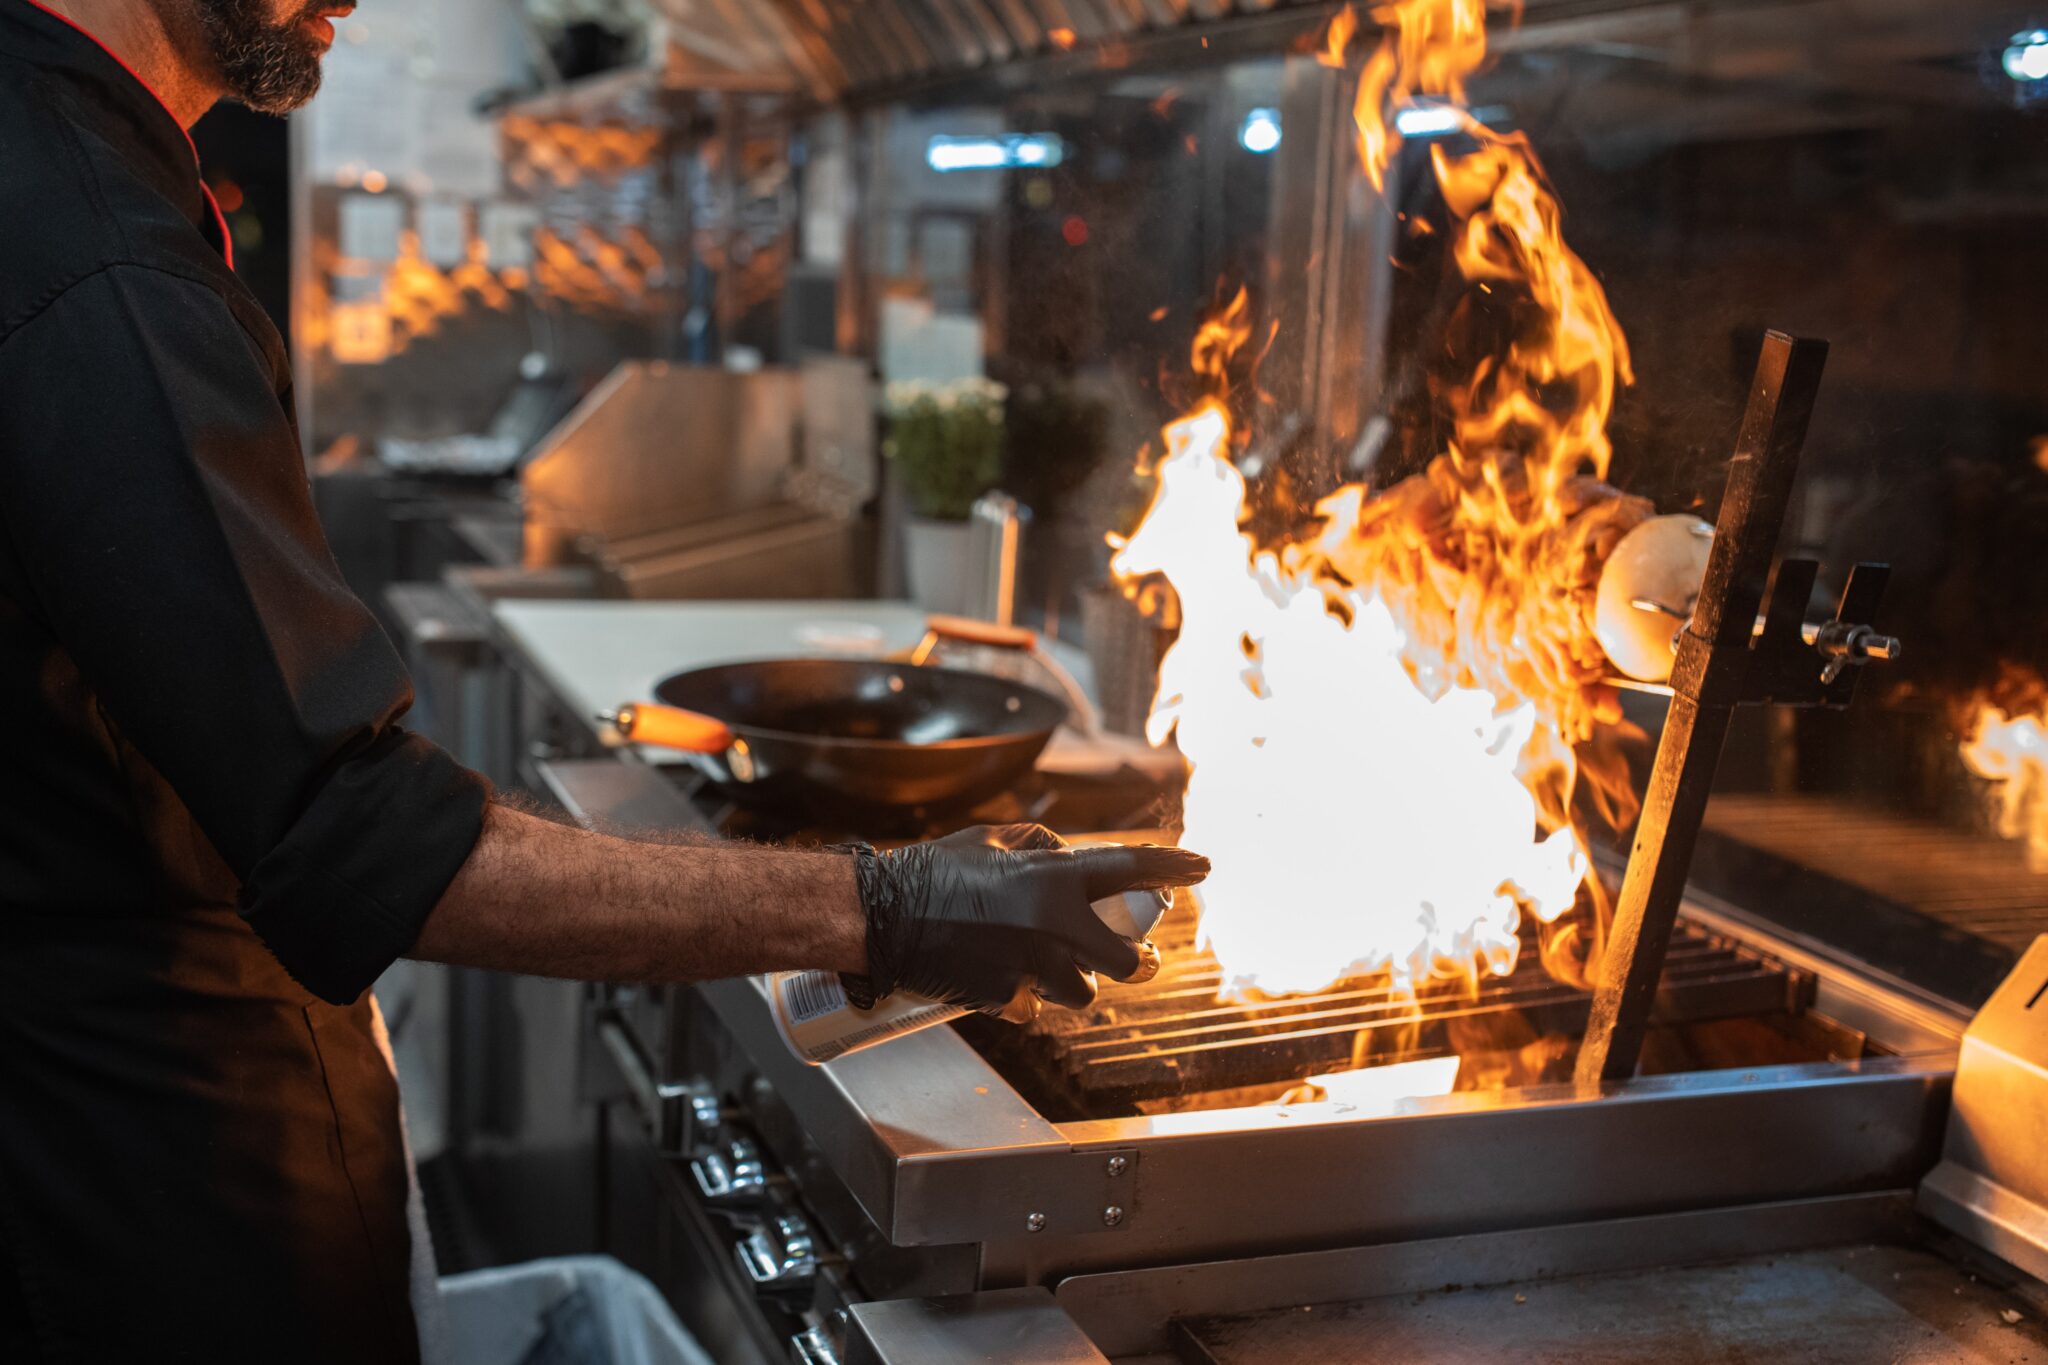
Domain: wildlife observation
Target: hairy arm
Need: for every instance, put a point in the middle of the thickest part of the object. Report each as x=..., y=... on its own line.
x=554, y=900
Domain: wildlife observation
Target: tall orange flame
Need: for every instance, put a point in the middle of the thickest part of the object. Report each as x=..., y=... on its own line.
x=1338, y=38
x=1219, y=338
x=1431, y=47
x=1381, y=715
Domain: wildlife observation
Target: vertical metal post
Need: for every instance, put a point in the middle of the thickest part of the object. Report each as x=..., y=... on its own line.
x=1708, y=680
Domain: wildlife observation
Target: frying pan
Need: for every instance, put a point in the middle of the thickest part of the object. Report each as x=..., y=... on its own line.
x=867, y=743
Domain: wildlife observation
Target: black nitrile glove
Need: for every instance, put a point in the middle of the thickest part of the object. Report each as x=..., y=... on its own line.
x=990, y=915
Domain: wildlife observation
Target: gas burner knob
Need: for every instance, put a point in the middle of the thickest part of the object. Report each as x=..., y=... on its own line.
x=690, y=1116
x=731, y=1175
x=779, y=1254
x=813, y=1346
x=705, y=1115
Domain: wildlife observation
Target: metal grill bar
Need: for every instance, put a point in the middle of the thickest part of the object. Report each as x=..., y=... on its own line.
x=1172, y=1036
x=1967, y=881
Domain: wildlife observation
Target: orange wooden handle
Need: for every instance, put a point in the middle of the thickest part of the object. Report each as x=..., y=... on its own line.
x=645, y=722
x=969, y=631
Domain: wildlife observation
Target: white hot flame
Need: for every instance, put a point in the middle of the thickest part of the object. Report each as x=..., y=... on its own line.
x=1399, y=839
x=2011, y=753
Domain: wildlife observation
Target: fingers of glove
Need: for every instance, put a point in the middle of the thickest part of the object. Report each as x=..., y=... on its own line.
x=1149, y=963
x=974, y=836
x=1063, y=983
x=1020, y=837
x=1106, y=871
x=1024, y=838
x=1099, y=948
x=1023, y=1006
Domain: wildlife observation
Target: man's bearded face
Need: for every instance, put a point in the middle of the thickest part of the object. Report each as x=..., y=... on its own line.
x=268, y=51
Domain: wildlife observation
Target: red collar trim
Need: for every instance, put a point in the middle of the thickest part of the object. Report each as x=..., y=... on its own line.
x=227, y=243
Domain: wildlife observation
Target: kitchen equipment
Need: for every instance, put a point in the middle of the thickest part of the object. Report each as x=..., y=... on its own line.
x=1725, y=659
x=866, y=743
x=1006, y=651
x=863, y=741
x=686, y=481
x=1170, y=1043
x=1992, y=1183
x=1091, y=1157
x=1647, y=591
x=995, y=543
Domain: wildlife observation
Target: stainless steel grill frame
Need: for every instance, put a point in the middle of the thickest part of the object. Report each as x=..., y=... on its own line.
x=920, y=1170
x=938, y=1149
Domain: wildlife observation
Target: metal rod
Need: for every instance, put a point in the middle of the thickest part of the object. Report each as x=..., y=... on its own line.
x=1707, y=683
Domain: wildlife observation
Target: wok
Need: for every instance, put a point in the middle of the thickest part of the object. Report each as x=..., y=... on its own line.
x=860, y=743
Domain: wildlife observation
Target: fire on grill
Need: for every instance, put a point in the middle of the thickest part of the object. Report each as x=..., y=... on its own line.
x=2009, y=748
x=1387, y=715
x=1183, y=1041
x=1397, y=714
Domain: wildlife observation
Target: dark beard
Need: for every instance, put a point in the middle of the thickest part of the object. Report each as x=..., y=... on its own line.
x=271, y=67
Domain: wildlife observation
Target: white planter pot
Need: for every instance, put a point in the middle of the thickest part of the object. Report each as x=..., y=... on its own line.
x=936, y=564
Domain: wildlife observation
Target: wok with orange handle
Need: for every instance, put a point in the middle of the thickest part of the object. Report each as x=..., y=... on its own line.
x=870, y=744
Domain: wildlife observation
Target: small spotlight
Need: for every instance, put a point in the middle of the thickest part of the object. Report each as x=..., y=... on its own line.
x=1260, y=131
x=1428, y=120
x=1038, y=150
x=2027, y=58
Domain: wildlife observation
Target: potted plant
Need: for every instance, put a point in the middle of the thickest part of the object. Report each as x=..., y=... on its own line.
x=947, y=443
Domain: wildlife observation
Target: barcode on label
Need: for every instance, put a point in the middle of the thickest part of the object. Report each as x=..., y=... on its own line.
x=906, y=1023
x=813, y=995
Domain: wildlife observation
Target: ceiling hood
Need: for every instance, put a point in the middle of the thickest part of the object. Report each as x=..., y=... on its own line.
x=831, y=49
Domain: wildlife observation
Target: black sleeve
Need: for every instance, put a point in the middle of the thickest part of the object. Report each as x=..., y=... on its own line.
x=153, y=488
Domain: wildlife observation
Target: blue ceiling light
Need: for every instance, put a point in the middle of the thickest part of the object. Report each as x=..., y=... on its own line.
x=1039, y=151
x=1260, y=131
x=2026, y=60
x=1428, y=120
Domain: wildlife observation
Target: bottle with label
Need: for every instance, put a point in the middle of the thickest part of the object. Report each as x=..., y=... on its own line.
x=819, y=1023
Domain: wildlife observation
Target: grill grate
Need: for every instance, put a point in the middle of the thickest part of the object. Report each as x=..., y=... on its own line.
x=1967, y=881
x=1171, y=1037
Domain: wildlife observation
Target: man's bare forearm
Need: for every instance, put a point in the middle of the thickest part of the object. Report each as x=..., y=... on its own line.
x=553, y=900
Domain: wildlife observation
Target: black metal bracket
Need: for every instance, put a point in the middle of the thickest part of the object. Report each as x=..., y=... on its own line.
x=1726, y=658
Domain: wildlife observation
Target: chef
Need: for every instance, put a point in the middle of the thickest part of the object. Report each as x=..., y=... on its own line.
x=214, y=831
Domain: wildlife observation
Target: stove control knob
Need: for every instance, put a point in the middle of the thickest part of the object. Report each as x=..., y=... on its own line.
x=689, y=1116
x=813, y=1346
x=731, y=1175
x=779, y=1254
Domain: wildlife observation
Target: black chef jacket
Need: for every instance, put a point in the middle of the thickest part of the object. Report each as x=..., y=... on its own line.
x=213, y=833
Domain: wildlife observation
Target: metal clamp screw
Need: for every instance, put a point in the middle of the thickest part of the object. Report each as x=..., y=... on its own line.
x=1842, y=643
x=686, y=1116
x=779, y=1254
x=732, y=1175
x=1112, y=1215
x=813, y=1346
x=1118, y=1165
x=1034, y=1222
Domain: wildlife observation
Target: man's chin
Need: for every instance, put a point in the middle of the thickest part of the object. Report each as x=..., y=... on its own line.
x=281, y=92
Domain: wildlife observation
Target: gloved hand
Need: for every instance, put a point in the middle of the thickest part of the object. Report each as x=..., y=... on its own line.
x=991, y=915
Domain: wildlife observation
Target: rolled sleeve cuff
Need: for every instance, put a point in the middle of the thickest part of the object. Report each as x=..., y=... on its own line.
x=344, y=894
